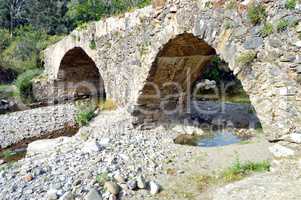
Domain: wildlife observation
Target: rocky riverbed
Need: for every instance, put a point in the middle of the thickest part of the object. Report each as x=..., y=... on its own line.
x=36, y=123
x=110, y=151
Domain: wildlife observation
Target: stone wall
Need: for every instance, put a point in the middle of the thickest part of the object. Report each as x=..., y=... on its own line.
x=128, y=46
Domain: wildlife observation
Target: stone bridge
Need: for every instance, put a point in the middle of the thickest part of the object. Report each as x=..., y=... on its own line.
x=129, y=58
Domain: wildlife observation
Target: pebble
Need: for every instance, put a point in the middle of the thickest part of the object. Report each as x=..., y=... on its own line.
x=154, y=187
x=27, y=178
x=67, y=196
x=132, y=185
x=52, y=194
x=112, y=187
x=141, y=182
x=93, y=195
x=119, y=178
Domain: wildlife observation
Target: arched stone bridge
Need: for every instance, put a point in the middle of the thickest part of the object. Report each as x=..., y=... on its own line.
x=126, y=54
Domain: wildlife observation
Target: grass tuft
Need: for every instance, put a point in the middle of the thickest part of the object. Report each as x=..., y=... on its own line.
x=282, y=25
x=290, y=4
x=266, y=30
x=238, y=170
x=246, y=58
x=256, y=13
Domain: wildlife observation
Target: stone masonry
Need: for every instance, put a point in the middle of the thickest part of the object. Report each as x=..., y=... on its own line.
x=158, y=45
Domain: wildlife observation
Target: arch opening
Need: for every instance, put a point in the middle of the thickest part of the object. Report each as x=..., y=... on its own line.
x=78, y=77
x=189, y=83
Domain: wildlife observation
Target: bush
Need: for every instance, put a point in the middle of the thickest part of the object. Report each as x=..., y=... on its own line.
x=85, y=113
x=282, y=25
x=24, y=84
x=256, y=13
x=266, y=30
x=290, y=4
x=246, y=58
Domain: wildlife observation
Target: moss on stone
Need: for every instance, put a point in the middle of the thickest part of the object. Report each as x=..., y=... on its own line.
x=246, y=58
x=256, y=13
x=266, y=30
x=282, y=25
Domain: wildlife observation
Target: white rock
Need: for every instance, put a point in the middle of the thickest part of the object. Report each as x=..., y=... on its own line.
x=92, y=146
x=52, y=194
x=42, y=146
x=104, y=141
x=93, y=195
x=296, y=138
x=298, y=43
x=67, y=196
x=280, y=151
x=154, y=187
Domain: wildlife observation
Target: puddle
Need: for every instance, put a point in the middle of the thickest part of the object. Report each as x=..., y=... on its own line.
x=215, y=139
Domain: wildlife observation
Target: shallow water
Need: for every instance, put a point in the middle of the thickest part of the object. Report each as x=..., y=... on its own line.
x=215, y=139
x=222, y=138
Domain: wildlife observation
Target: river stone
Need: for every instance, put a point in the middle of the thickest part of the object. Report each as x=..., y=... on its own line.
x=132, y=185
x=52, y=194
x=41, y=146
x=154, y=187
x=253, y=42
x=280, y=151
x=298, y=44
x=67, y=196
x=298, y=28
x=141, y=182
x=119, y=178
x=92, y=146
x=112, y=187
x=93, y=195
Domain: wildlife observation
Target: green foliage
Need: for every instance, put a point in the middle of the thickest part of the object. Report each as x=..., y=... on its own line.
x=214, y=73
x=256, y=13
x=228, y=24
x=4, y=39
x=290, y=4
x=6, y=91
x=24, y=84
x=7, y=154
x=102, y=178
x=238, y=170
x=246, y=58
x=282, y=25
x=85, y=113
x=266, y=30
x=92, y=44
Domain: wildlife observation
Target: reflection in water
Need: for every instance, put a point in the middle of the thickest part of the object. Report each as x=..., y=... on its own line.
x=217, y=138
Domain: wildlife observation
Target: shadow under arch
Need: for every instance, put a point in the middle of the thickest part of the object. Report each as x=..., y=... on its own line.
x=171, y=78
x=79, y=77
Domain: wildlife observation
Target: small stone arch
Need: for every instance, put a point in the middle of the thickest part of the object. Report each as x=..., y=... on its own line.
x=78, y=76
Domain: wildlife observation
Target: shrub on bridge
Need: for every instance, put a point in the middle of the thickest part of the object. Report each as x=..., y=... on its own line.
x=256, y=13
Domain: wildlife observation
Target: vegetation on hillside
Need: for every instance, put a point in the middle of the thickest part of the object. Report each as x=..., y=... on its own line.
x=28, y=26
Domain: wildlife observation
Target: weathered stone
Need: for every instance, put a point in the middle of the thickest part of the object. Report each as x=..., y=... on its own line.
x=141, y=183
x=67, y=196
x=52, y=194
x=132, y=184
x=253, y=42
x=93, y=195
x=112, y=187
x=280, y=151
x=92, y=146
x=154, y=187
